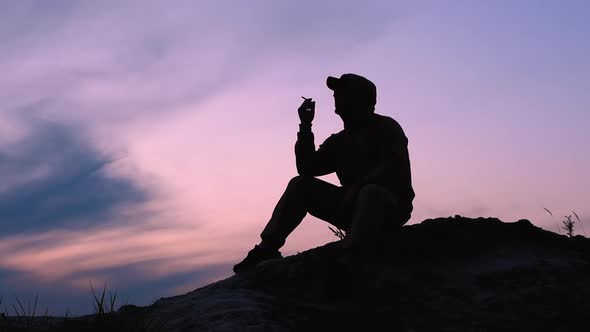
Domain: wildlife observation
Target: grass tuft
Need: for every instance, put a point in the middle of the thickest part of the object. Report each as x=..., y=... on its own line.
x=339, y=233
x=568, y=226
x=100, y=306
x=105, y=318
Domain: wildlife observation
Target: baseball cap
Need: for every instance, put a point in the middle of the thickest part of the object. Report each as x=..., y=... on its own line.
x=356, y=84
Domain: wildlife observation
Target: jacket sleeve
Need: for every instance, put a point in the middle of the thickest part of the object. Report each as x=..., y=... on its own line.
x=311, y=162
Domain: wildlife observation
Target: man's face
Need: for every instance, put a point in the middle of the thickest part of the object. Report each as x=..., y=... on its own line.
x=347, y=105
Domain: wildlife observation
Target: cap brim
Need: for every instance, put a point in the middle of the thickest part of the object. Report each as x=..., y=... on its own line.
x=332, y=82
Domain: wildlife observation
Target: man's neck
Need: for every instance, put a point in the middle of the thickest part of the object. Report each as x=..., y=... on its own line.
x=358, y=124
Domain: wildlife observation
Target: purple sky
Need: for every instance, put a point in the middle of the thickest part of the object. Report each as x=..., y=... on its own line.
x=145, y=144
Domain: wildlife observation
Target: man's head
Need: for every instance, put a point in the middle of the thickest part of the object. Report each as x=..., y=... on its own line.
x=354, y=96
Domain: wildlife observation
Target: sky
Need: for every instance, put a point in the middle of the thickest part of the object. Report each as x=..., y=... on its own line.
x=144, y=144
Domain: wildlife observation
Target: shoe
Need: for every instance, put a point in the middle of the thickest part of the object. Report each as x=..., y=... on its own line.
x=255, y=256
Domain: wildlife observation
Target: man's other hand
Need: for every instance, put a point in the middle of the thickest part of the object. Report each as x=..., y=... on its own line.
x=306, y=111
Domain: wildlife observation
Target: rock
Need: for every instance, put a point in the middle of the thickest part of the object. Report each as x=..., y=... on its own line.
x=444, y=274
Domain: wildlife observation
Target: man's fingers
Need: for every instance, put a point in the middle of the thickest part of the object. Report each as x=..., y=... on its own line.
x=308, y=102
x=307, y=107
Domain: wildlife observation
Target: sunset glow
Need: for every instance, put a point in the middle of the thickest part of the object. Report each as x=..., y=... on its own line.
x=146, y=145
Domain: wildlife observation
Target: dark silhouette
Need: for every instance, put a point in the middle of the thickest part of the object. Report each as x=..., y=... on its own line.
x=370, y=158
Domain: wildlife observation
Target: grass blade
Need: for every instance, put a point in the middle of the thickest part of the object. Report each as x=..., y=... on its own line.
x=34, y=307
x=97, y=304
x=104, y=289
x=16, y=311
x=113, y=299
x=575, y=214
x=580, y=222
x=556, y=224
x=21, y=307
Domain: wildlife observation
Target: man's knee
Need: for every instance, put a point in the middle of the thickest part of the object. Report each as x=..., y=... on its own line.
x=300, y=182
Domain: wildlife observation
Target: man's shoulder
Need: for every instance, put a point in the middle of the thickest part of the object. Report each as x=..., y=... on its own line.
x=387, y=123
x=334, y=139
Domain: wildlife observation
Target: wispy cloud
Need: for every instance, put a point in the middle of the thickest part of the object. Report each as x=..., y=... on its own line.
x=122, y=60
x=54, y=178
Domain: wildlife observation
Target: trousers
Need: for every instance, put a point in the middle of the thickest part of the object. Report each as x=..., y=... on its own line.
x=374, y=210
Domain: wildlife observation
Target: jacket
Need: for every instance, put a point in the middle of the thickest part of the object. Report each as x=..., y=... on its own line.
x=376, y=152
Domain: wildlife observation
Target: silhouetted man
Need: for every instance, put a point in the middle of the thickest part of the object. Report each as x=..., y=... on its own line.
x=370, y=157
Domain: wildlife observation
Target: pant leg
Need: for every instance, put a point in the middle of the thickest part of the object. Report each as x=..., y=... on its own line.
x=376, y=213
x=304, y=194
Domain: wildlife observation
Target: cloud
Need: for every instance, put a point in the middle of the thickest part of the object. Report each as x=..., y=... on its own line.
x=54, y=178
x=110, y=61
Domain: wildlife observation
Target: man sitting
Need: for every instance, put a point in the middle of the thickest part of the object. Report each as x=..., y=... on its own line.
x=370, y=158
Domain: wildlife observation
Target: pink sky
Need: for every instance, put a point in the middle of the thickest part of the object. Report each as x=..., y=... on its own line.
x=196, y=104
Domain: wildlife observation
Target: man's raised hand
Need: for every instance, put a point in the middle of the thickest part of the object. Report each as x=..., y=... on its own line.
x=306, y=111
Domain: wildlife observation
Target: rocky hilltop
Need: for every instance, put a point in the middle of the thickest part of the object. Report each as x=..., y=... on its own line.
x=444, y=274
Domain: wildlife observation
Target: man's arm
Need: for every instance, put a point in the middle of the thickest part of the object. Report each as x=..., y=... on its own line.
x=308, y=160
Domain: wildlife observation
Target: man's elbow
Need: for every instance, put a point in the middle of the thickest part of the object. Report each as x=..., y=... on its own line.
x=309, y=168
x=305, y=171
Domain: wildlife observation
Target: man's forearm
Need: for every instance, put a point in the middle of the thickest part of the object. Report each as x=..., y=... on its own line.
x=309, y=161
x=305, y=127
x=304, y=148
